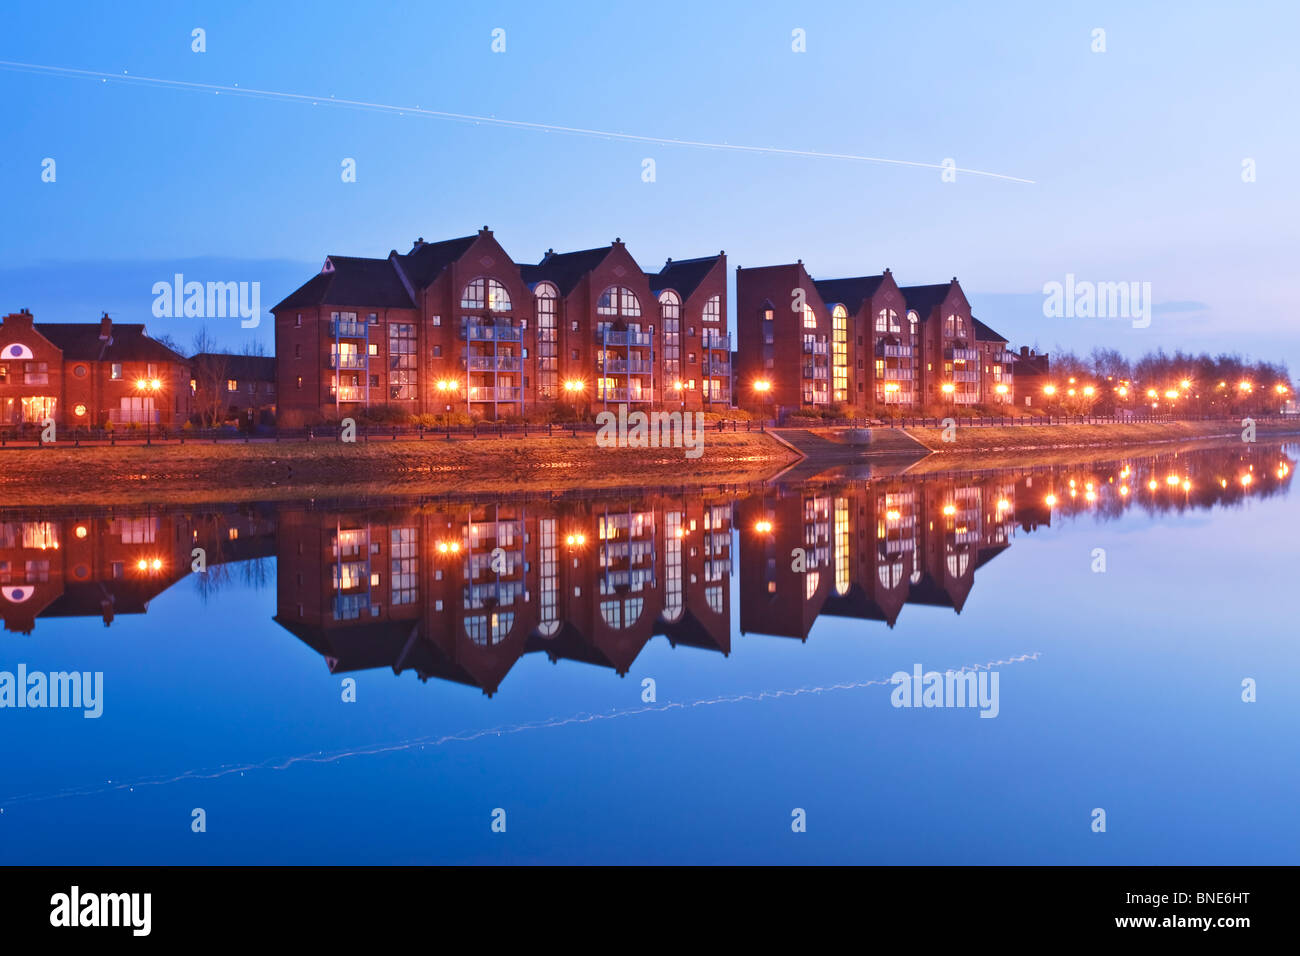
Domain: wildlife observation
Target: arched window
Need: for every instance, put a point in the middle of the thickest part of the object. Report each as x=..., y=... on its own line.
x=809, y=317
x=619, y=300
x=713, y=309
x=840, y=354
x=887, y=321
x=546, y=301
x=670, y=307
x=486, y=294
x=487, y=630
x=911, y=323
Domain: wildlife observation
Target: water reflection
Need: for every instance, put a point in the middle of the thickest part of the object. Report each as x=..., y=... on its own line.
x=460, y=590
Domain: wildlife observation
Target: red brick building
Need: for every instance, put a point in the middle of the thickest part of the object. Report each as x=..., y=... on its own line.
x=89, y=374
x=459, y=326
x=784, y=332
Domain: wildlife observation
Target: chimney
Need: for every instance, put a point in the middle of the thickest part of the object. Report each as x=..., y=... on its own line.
x=105, y=328
x=1024, y=351
x=21, y=319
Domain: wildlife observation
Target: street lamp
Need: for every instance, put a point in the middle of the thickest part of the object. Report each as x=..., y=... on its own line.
x=574, y=388
x=680, y=388
x=150, y=387
x=762, y=388
x=447, y=387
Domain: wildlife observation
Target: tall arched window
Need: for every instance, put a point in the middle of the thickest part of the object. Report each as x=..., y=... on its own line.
x=809, y=317
x=486, y=294
x=548, y=343
x=670, y=306
x=620, y=301
x=887, y=321
x=840, y=354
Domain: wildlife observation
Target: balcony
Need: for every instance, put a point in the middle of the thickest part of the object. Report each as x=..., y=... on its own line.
x=628, y=338
x=815, y=348
x=897, y=375
x=488, y=393
x=716, y=342
x=717, y=368
x=348, y=393
x=967, y=355
x=344, y=329
x=970, y=375
x=346, y=361
x=622, y=395
x=476, y=332
x=498, y=363
x=816, y=372
x=628, y=367
x=893, y=351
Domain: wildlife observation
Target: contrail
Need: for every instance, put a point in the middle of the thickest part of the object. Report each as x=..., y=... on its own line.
x=237, y=90
x=320, y=756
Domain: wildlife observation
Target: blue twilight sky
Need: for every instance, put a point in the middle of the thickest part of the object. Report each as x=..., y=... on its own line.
x=1136, y=152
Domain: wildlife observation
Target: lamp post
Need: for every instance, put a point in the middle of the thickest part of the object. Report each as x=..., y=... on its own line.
x=150, y=387
x=762, y=390
x=680, y=388
x=447, y=387
x=574, y=388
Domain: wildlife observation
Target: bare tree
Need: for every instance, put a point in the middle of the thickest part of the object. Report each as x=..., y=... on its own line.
x=211, y=372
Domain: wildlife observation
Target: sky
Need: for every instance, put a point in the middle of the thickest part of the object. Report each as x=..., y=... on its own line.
x=1135, y=154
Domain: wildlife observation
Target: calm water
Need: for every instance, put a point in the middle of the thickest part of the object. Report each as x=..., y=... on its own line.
x=500, y=651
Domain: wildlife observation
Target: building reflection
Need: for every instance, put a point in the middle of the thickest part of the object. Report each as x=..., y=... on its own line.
x=461, y=590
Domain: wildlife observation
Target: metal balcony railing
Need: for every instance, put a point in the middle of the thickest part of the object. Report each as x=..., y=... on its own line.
x=349, y=361
x=966, y=376
x=717, y=342
x=476, y=332
x=897, y=375
x=884, y=350
x=500, y=393
x=348, y=393
x=344, y=329
x=816, y=348
x=628, y=338
x=489, y=363
x=969, y=355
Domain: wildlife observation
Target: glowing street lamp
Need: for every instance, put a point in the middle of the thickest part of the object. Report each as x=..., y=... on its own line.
x=763, y=527
x=1049, y=389
x=1088, y=390
x=150, y=387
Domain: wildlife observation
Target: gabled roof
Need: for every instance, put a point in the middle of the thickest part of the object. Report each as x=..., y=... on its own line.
x=985, y=334
x=683, y=275
x=80, y=341
x=565, y=269
x=257, y=368
x=924, y=299
x=426, y=260
x=850, y=293
x=348, y=280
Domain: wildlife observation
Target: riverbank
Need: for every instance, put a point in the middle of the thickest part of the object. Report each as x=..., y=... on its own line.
x=993, y=439
x=193, y=473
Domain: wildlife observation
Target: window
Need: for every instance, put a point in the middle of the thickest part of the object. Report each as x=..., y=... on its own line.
x=618, y=300
x=116, y=373
x=373, y=318
x=36, y=373
x=406, y=565
x=297, y=351
x=298, y=321
x=809, y=317
x=401, y=361
x=300, y=383
x=486, y=294
x=437, y=321
x=840, y=354
x=713, y=309
x=670, y=306
x=887, y=321
x=374, y=348
x=547, y=307
x=232, y=385
x=437, y=351
x=80, y=371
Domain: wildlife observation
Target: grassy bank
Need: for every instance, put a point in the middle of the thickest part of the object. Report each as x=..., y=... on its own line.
x=996, y=439
x=193, y=473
